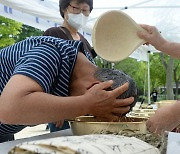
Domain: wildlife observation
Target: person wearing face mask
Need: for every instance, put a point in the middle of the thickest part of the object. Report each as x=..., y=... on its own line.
x=75, y=14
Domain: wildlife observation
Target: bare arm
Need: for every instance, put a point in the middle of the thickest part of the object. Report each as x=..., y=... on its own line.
x=153, y=37
x=171, y=48
x=24, y=102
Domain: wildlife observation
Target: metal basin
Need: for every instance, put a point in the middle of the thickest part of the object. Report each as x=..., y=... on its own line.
x=85, y=125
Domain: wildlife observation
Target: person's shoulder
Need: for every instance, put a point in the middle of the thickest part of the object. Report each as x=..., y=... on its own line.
x=51, y=40
x=52, y=29
x=83, y=39
x=58, y=32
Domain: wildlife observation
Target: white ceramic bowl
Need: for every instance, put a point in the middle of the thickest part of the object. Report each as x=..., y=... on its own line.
x=114, y=36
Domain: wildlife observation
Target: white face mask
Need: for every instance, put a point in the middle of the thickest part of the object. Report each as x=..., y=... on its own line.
x=77, y=20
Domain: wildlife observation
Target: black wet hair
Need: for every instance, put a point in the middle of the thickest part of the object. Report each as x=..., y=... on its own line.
x=119, y=78
x=63, y=4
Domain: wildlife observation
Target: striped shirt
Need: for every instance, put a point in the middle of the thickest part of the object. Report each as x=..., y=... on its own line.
x=47, y=60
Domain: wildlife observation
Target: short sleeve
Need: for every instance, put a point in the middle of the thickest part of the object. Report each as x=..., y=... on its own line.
x=41, y=63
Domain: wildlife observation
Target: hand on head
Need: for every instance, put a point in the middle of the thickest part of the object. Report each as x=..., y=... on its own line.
x=105, y=104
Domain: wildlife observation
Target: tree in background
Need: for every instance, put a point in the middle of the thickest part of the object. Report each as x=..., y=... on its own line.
x=176, y=72
x=172, y=74
x=168, y=64
x=12, y=31
x=8, y=30
x=157, y=72
x=28, y=31
x=135, y=69
x=103, y=63
x=158, y=75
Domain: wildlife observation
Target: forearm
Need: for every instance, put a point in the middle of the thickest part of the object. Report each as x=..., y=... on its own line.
x=27, y=103
x=39, y=107
x=170, y=48
x=153, y=37
x=176, y=111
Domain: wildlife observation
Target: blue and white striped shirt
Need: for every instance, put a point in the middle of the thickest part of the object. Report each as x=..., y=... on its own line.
x=47, y=60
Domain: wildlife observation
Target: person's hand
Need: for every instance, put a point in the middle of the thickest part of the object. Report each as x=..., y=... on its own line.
x=164, y=119
x=151, y=35
x=102, y=103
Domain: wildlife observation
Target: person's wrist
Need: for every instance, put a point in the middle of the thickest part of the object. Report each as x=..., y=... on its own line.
x=162, y=44
x=85, y=105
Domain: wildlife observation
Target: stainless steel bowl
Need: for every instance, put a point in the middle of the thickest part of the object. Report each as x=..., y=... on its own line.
x=85, y=125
